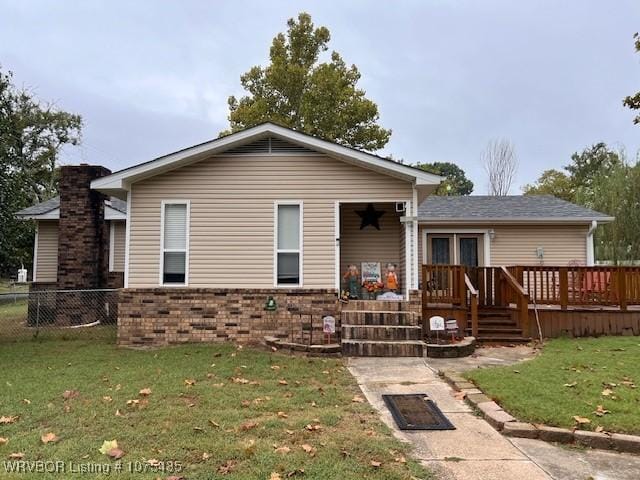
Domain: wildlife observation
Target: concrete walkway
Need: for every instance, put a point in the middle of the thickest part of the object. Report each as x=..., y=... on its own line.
x=475, y=450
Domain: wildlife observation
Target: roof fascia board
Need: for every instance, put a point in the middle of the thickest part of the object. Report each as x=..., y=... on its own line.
x=122, y=180
x=50, y=215
x=111, y=213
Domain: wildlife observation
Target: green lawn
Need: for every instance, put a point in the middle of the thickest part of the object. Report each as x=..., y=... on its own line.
x=7, y=287
x=220, y=411
x=572, y=377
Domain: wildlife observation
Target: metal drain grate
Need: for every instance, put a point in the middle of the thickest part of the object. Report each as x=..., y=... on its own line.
x=416, y=412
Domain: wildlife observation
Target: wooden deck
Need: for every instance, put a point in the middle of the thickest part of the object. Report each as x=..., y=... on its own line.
x=505, y=304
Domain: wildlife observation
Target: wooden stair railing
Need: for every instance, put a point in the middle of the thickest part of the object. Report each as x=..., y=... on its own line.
x=473, y=304
x=513, y=292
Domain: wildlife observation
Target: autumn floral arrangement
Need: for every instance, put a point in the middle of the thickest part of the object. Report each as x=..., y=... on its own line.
x=372, y=286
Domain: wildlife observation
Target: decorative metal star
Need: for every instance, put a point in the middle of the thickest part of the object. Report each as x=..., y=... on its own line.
x=369, y=216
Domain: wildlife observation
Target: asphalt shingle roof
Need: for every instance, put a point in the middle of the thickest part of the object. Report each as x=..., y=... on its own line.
x=53, y=203
x=516, y=207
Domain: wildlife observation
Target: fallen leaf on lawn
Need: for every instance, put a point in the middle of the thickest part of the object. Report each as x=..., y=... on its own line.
x=290, y=432
x=581, y=420
x=282, y=415
x=376, y=464
x=314, y=404
x=133, y=402
x=16, y=456
x=606, y=392
x=313, y=428
x=283, y=382
x=293, y=473
x=308, y=448
x=189, y=382
x=357, y=399
x=516, y=371
x=345, y=454
x=107, y=446
x=153, y=462
x=107, y=399
x=245, y=403
x=599, y=429
x=400, y=459
x=227, y=467
x=274, y=349
x=275, y=367
x=214, y=424
x=248, y=425
x=218, y=385
x=175, y=477
x=8, y=419
x=115, y=453
x=239, y=380
x=145, y=392
x=283, y=449
x=198, y=429
x=49, y=438
x=69, y=394
x=600, y=411
x=118, y=413
x=3, y=440
x=275, y=476
x=118, y=387
x=572, y=384
x=326, y=372
x=206, y=456
x=26, y=401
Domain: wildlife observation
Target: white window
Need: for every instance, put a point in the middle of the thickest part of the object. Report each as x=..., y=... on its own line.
x=288, y=244
x=174, y=255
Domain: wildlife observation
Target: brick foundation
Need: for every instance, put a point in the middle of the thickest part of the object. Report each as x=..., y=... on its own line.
x=165, y=316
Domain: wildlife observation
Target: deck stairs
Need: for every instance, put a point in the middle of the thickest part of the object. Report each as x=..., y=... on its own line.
x=375, y=328
x=497, y=326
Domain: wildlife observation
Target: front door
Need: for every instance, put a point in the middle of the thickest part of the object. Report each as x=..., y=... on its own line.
x=469, y=251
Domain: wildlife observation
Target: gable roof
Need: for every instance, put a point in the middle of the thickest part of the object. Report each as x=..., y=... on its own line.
x=508, y=209
x=120, y=181
x=50, y=209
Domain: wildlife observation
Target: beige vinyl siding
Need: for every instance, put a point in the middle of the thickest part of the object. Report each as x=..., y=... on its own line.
x=119, y=244
x=516, y=245
x=232, y=216
x=47, y=252
x=370, y=245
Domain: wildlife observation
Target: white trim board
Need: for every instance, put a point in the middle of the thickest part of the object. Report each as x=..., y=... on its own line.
x=112, y=242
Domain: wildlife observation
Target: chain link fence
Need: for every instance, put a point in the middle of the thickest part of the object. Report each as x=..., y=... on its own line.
x=59, y=314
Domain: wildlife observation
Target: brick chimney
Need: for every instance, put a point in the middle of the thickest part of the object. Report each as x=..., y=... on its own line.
x=83, y=235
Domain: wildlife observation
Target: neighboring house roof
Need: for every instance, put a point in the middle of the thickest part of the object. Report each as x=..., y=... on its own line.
x=120, y=181
x=507, y=209
x=50, y=210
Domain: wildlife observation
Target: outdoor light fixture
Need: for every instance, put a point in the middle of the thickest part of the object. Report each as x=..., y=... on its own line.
x=492, y=234
x=271, y=305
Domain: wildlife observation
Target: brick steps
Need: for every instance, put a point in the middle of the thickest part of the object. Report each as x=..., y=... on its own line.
x=371, y=348
x=381, y=329
x=381, y=332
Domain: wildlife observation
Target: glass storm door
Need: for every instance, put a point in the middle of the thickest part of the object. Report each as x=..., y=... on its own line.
x=469, y=251
x=440, y=250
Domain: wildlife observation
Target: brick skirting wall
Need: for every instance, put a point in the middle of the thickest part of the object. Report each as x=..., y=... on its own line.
x=166, y=316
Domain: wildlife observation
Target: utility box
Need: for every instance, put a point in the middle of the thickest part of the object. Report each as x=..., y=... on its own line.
x=22, y=275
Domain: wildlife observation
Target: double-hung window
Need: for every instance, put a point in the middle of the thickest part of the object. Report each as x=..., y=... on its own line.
x=174, y=255
x=288, y=244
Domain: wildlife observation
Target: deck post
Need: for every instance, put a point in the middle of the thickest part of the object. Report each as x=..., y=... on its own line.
x=564, y=287
x=474, y=316
x=622, y=288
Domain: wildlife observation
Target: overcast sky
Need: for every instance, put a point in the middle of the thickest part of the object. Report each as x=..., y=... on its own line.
x=151, y=77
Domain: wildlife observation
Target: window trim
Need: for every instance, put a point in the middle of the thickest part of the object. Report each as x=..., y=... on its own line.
x=186, y=250
x=112, y=242
x=299, y=251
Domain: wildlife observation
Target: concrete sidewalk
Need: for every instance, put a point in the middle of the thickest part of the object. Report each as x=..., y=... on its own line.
x=475, y=450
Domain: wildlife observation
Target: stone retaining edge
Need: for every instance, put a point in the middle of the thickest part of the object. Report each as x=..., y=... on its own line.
x=511, y=427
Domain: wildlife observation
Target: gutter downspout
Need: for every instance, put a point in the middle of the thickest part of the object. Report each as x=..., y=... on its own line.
x=591, y=258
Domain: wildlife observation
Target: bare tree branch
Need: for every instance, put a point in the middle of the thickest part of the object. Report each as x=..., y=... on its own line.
x=501, y=164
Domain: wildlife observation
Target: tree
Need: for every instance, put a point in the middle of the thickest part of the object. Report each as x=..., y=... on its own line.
x=297, y=91
x=633, y=101
x=455, y=183
x=588, y=166
x=501, y=164
x=552, y=182
x=31, y=137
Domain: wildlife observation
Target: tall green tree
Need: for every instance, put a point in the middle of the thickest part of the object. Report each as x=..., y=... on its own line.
x=456, y=181
x=552, y=182
x=633, y=101
x=32, y=133
x=298, y=91
x=590, y=165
